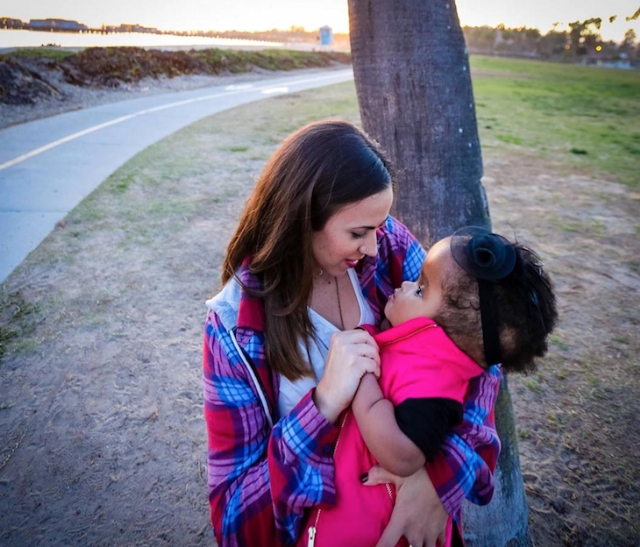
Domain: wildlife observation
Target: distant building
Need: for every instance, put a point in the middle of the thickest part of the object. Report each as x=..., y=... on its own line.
x=326, y=36
x=134, y=27
x=8, y=22
x=56, y=24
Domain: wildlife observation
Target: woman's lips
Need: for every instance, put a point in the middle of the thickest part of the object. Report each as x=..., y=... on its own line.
x=352, y=263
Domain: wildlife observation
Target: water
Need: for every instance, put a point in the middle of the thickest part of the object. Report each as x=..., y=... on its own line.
x=28, y=38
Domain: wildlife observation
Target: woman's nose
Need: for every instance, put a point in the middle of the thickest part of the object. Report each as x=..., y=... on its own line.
x=370, y=247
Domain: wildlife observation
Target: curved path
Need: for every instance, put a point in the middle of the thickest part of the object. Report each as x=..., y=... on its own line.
x=48, y=166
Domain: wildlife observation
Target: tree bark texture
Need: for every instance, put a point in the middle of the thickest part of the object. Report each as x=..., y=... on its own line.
x=415, y=95
x=504, y=522
x=414, y=90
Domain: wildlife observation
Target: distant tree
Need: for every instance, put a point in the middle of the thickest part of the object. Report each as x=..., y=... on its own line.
x=580, y=30
x=414, y=90
x=611, y=48
x=480, y=39
x=628, y=43
x=590, y=42
x=521, y=40
x=629, y=38
x=553, y=44
x=634, y=16
x=531, y=37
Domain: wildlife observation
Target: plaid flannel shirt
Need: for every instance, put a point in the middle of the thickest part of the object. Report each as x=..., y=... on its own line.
x=264, y=470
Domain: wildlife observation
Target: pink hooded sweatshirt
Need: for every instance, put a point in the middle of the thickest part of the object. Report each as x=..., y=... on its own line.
x=418, y=360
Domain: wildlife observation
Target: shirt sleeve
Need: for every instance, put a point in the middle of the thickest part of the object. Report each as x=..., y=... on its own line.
x=464, y=466
x=426, y=421
x=405, y=252
x=261, y=478
x=400, y=257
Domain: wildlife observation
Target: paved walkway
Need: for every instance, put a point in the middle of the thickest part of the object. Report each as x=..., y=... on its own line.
x=49, y=166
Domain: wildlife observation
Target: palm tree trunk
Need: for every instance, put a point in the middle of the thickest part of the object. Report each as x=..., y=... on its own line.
x=414, y=90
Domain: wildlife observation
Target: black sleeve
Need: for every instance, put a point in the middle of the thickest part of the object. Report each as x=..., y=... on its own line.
x=426, y=422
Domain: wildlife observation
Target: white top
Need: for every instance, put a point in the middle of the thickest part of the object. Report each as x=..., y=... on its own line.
x=292, y=391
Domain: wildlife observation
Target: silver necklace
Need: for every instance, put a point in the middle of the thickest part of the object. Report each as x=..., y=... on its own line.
x=335, y=279
x=339, y=303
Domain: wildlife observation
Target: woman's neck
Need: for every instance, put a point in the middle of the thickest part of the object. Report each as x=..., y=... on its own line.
x=334, y=299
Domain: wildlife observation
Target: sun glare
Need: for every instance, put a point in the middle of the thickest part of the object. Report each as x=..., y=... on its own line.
x=254, y=15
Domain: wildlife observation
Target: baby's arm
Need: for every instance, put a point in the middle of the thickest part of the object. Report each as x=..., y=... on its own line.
x=376, y=419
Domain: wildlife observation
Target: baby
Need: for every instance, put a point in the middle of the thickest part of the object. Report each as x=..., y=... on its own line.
x=479, y=301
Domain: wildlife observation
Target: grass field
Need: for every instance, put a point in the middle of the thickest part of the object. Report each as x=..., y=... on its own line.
x=47, y=53
x=585, y=117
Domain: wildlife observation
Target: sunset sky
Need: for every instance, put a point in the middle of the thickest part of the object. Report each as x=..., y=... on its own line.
x=311, y=14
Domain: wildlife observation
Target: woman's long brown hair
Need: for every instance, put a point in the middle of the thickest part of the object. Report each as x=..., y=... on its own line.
x=315, y=171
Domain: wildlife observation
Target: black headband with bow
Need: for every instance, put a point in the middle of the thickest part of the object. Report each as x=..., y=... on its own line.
x=488, y=258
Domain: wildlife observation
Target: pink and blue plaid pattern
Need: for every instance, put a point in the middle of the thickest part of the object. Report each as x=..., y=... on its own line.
x=262, y=478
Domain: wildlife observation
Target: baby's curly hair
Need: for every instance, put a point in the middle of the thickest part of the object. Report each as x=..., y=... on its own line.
x=526, y=312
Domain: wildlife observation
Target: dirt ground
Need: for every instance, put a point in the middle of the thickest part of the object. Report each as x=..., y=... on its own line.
x=577, y=417
x=102, y=440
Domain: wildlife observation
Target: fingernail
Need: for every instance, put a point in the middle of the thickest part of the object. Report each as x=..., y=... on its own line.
x=364, y=477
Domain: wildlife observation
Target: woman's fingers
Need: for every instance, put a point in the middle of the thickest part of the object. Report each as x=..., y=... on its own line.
x=379, y=475
x=365, y=350
x=360, y=343
x=349, y=345
x=392, y=533
x=357, y=336
x=418, y=513
x=351, y=355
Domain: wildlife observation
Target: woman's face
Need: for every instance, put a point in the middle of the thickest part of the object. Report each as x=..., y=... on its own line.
x=350, y=233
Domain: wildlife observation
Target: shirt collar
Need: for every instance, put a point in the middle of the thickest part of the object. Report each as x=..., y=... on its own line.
x=251, y=309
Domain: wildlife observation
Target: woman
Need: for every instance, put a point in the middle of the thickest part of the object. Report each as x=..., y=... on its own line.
x=315, y=255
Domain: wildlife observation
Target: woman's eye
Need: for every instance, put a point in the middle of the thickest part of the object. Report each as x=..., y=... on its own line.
x=358, y=236
x=419, y=290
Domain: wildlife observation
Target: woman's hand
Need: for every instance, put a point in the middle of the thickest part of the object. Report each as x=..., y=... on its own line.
x=418, y=513
x=351, y=355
